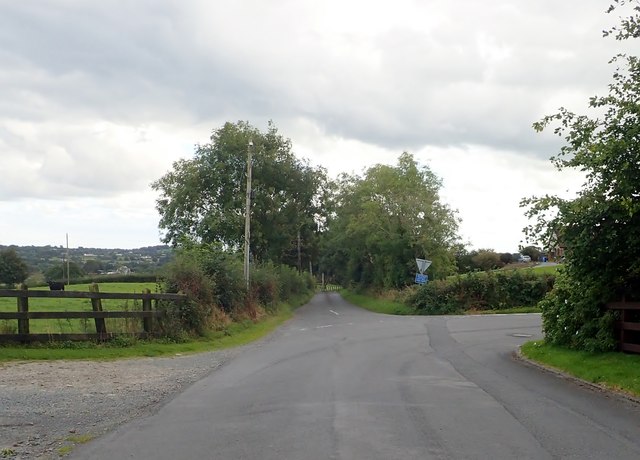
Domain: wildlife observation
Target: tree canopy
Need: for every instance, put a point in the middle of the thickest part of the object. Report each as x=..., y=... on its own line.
x=385, y=219
x=12, y=268
x=203, y=198
x=599, y=228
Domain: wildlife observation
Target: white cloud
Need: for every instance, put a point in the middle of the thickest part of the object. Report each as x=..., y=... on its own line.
x=98, y=99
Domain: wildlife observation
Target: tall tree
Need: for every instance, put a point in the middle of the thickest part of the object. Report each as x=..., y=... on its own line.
x=12, y=268
x=59, y=272
x=203, y=198
x=599, y=229
x=384, y=220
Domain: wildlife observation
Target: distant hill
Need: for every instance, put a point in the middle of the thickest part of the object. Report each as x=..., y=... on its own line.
x=95, y=260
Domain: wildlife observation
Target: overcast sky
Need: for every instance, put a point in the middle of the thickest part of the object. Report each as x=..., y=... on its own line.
x=97, y=99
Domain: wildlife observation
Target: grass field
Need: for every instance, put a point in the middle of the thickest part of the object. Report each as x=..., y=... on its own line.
x=60, y=326
x=235, y=334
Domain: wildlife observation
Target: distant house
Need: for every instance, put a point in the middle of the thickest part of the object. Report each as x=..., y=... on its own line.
x=556, y=248
x=124, y=270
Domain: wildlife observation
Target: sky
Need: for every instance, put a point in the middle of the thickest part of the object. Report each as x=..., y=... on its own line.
x=98, y=99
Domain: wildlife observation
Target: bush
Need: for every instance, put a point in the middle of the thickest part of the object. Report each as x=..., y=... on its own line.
x=482, y=291
x=436, y=298
x=185, y=275
x=573, y=315
x=292, y=283
x=227, y=274
x=265, y=286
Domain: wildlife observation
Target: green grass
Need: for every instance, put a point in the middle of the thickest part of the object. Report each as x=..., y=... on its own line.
x=389, y=307
x=504, y=311
x=74, y=440
x=618, y=371
x=234, y=335
x=377, y=305
x=547, y=269
x=59, y=326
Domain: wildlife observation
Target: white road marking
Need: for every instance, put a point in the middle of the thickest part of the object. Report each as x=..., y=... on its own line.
x=322, y=327
x=335, y=312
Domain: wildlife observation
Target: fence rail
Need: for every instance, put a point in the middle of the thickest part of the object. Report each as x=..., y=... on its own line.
x=628, y=326
x=329, y=287
x=24, y=316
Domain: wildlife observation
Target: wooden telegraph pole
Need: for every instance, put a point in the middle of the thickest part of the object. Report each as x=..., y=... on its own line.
x=247, y=217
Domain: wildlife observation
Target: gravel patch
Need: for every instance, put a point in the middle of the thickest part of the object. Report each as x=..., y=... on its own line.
x=48, y=406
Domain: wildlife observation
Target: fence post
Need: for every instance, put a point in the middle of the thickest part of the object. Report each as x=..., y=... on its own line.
x=147, y=321
x=96, y=304
x=23, y=307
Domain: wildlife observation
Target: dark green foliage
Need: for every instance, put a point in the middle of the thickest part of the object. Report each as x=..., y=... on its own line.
x=479, y=259
x=12, y=268
x=599, y=228
x=59, y=272
x=482, y=291
x=293, y=283
x=572, y=316
x=532, y=252
x=214, y=282
x=203, y=199
x=185, y=275
x=383, y=221
x=506, y=258
x=265, y=286
x=486, y=259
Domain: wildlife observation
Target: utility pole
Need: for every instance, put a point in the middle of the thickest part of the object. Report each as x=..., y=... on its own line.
x=247, y=217
x=68, y=275
x=299, y=253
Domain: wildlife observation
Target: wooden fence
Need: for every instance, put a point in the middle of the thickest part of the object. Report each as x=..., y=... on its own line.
x=628, y=325
x=329, y=287
x=24, y=316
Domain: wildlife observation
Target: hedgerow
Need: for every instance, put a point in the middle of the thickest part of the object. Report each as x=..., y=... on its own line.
x=482, y=291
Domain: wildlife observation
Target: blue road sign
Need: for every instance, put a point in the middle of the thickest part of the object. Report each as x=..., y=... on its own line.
x=421, y=279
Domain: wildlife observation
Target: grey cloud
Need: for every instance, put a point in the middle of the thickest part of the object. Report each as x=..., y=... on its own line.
x=400, y=86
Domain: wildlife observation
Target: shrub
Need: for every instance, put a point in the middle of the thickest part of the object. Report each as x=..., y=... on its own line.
x=265, y=286
x=436, y=298
x=482, y=291
x=185, y=275
x=293, y=283
x=573, y=315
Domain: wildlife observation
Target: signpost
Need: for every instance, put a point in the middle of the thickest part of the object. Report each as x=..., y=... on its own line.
x=423, y=264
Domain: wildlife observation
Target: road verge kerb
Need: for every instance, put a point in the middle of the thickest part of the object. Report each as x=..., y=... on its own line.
x=517, y=355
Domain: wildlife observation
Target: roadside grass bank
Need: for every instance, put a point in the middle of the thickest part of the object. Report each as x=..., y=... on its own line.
x=501, y=311
x=388, y=304
x=233, y=335
x=617, y=371
x=377, y=304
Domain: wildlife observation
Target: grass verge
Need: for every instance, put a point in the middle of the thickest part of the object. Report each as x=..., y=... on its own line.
x=389, y=307
x=618, y=371
x=377, y=305
x=504, y=311
x=234, y=335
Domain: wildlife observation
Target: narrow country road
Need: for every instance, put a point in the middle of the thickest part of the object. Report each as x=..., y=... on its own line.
x=338, y=382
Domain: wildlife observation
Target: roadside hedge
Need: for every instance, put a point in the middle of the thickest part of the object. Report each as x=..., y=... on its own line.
x=482, y=291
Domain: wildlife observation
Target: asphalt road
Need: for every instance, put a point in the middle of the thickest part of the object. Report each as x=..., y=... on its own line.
x=338, y=382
